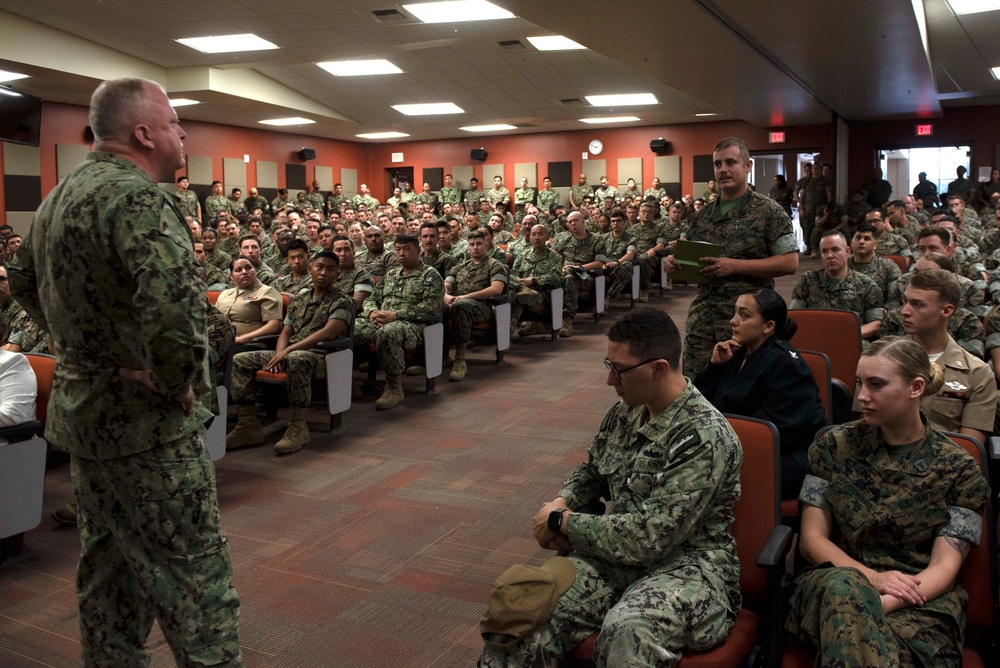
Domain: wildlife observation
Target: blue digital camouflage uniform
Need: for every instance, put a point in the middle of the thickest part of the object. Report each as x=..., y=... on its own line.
x=151, y=546
x=658, y=572
x=887, y=511
x=756, y=228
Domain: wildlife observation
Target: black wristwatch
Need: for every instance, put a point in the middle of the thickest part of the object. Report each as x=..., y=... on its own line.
x=555, y=520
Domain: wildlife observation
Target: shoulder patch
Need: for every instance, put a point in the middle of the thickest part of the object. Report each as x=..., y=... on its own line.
x=683, y=443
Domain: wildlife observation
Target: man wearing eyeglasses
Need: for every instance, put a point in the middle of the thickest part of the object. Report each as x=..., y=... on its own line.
x=657, y=573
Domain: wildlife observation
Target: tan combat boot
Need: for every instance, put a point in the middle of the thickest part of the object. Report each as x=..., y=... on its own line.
x=392, y=395
x=459, y=369
x=248, y=430
x=567, y=329
x=296, y=434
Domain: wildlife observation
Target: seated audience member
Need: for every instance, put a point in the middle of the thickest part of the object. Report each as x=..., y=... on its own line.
x=326, y=234
x=430, y=253
x=942, y=239
x=889, y=242
x=321, y=314
x=254, y=308
x=536, y=272
x=651, y=238
x=214, y=279
x=213, y=255
x=18, y=390
x=658, y=572
x=759, y=374
x=250, y=249
x=579, y=249
x=10, y=311
x=354, y=281
x=865, y=260
x=890, y=510
x=411, y=292
x=378, y=261
x=468, y=284
x=298, y=278
x=838, y=287
x=27, y=337
x=618, y=256
x=967, y=402
x=972, y=296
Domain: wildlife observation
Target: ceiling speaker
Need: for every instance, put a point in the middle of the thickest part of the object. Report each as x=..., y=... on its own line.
x=307, y=154
x=478, y=154
x=660, y=146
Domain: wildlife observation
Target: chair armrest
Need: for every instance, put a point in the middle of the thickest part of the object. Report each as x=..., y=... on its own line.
x=428, y=319
x=269, y=340
x=334, y=344
x=21, y=432
x=772, y=552
x=993, y=443
x=498, y=299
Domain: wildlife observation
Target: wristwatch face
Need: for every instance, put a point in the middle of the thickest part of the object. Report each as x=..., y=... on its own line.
x=596, y=146
x=555, y=521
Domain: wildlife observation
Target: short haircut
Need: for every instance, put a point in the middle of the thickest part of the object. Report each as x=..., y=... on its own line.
x=116, y=105
x=835, y=233
x=477, y=234
x=730, y=142
x=247, y=237
x=429, y=226
x=237, y=258
x=182, y=178
x=898, y=203
x=955, y=196
x=649, y=334
x=341, y=237
x=943, y=233
x=235, y=190
x=865, y=227
x=215, y=183
x=210, y=230
x=329, y=255
x=942, y=261
x=407, y=240
x=298, y=244
x=944, y=283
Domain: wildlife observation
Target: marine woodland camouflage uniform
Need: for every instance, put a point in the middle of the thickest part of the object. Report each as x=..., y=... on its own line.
x=887, y=512
x=855, y=292
x=151, y=546
x=440, y=260
x=522, y=198
x=472, y=197
x=578, y=192
x=756, y=228
x=882, y=270
x=416, y=294
x=252, y=203
x=187, y=202
x=307, y=314
x=315, y=200
x=378, y=265
x=576, y=252
x=293, y=284
x=658, y=572
x=367, y=200
x=10, y=315
x=658, y=193
x=972, y=296
x=601, y=193
x=333, y=202
x=466, y=277
x=614, y=248
x=498, y=196
x=449, y=195
x=546, y=270
x=356, y=279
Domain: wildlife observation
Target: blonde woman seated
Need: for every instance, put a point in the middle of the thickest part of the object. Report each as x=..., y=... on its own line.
x=891, y=509
x=254, y=308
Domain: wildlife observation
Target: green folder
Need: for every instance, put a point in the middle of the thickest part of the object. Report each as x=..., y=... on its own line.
x=687, y=254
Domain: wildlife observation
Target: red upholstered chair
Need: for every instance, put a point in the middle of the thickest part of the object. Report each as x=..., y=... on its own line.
x=834, y=332
x=213, y=296
x=762, y=543
x=979, y=578
x=899, y=260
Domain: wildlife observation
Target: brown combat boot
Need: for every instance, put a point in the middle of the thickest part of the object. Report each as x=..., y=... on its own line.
x=392, y=395
x=459, y=369
x=248, y=430
x=296, y=434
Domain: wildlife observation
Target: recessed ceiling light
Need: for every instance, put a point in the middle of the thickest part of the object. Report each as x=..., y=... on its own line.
x=429, y=109
x=959, y=7
x=8, y=91
x=183, y=102
x=356, y=68
x=610, y=119
x=455, y=11
x=228, y=43
x=382, y=135
x=705, y=114
x=11, y=76
x=488, y=128
x=996, y=72
x=554, y=43
x=625, y=100
x=294, y=120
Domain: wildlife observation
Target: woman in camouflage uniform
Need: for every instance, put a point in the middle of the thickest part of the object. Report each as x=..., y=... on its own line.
x=891, y=508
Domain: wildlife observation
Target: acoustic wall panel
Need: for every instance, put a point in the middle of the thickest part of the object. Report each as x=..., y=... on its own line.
x=433, y=176
x=594, y=169
x=22, y=184
x=234, y=174
x=667, y=168
x=526, y=170
x=199, y=170
x=325, y=177
x=295, y=179
x=489, y=171
x=629, y=168
x=68, y=156
x=461, y=175
x=349, y=179
x=561, y=174
x=267, y=174
x=703, y=170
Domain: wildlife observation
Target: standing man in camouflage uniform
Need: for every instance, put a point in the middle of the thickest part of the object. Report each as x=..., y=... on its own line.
x=321, y=314
x=132, y=389
x=668, y=464
x=280, y=203
x=315, y=197
x=467, y=286
x=217, y=201
x=473, y=195
x=336, y=199
x=579, y=249
x=449, y=194
x=606, y=190
x=364, y=197
x=391, y=319
x=427, y=198
x=498, y=194
x=187, y=199
x=547, y=196
x=655, y=190
x=581, y=190
x=757, y=245
x=523, y=196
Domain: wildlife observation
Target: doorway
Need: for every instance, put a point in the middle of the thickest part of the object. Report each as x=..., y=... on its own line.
x=397, y=176
x=901, y=166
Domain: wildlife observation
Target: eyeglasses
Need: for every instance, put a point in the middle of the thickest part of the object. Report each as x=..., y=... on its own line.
x=617, y=373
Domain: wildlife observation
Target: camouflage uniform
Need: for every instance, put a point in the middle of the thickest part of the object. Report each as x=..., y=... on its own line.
x=855, y=292
x=893, y=244
x=145, y=485
x=604, y=192
x=28, y=335
x=963, y=326
x=578, y=192
x=229, y=246
x=187, y=202
x=449, y=195
x=647, y=236
x=614, y=248
x=292, y=284
x=658, y=193
x=441, y=261
x=219, y=259
x=265, y=274
x=216, y=203
x=356, y=279
x=498, y=196
x=466, y=277
x=546, y=270
x=416, y=294
x=407, y=196
x=316, y=201
x=630, y=194
x=279, y=203
x=576, y=252
x=10, y=315
x=658, y=572
x=367, y=200
x=427, y=199
x=251, y=204
x=472, y=197
x=813, y=197
x=887, y=510
x=972, y=295
x=756, y=228
x=221, y=337
x=333, y=202
x=522, y=198
x=967, y=264
x=307, y=314
x=378, y=265
x=546, y=198
x=884, y=272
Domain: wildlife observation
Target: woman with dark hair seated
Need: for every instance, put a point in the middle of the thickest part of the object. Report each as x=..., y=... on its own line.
x=757, y=373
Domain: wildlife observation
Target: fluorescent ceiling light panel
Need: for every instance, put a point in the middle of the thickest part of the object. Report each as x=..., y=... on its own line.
x=455, y=11
x=610, y=119
x=8, y=91
x=183, y=102
x=488, y=128
x=294, y=120
x=11, y=76
x=430, y=109
x=973, y=6
x=554, y=43
x=228, y=43
x=382, y=135
x=626, y=100
x=705, y=114
x=996, y=72
x=357, y=68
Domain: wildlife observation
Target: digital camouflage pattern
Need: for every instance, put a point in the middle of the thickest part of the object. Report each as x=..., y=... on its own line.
x=252, y=203
x=333, y=202
x=546, y=198
x=658, y=193
x=856, y=292
x=754, y=229
x=972, y=296
x=887, y=512
x=468, y=277
x=884, y=272
x=963, y=326
x=216, y=203
x=576, y=252
x=890, y=243
x=415, y=294
x=315, y=200
x=11, y=314
x=367, y=200
x=378, y=265
x=472, y=197
x=187, y=201
x=658, y=572
x=621, y=276
x=522, y=198
x=450, y=195
x=355, y=279
x=279, y=203
x=440, y=260
x=140, y=468
x=546, y=270
x=498, y=196
x=292, y=284
x=427, y=199
x=578, y=192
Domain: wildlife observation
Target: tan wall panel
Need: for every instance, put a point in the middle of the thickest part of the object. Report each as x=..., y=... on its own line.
x=699, y=188
x=489, y=171
x=21, y=160
x=199, y=169
x=462, y=175
x=68, y=156
x=667, y=168
x=267, y=174
x=20, y=220
x=629, y=168
x=324, y=175
x=349, y=179
x=563, y=194
x=234, y=174
x=594, y=169
x=528, y=170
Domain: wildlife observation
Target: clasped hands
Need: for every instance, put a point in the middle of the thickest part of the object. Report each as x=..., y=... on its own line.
x=540, y=527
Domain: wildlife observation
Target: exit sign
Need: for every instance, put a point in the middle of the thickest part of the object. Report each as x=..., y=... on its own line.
x=776, y=138
x=925, y=130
